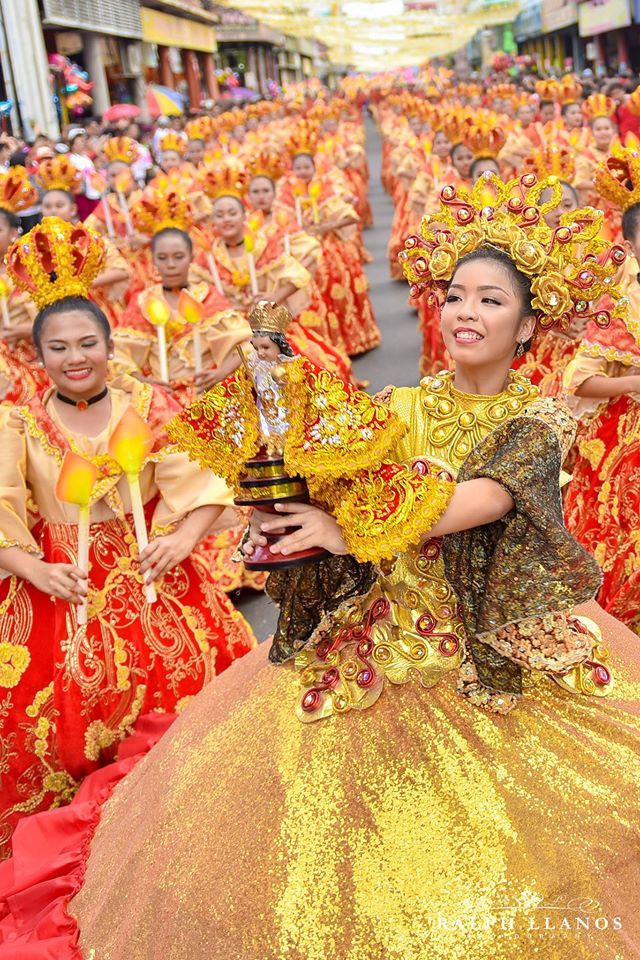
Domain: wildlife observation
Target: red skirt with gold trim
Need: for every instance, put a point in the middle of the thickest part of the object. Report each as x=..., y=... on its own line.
x=344, y=288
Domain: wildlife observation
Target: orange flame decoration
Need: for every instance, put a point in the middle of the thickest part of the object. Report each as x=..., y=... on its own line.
x=315, y=189
x=249, y=242
x=189, y=308
x=299, y=188
x=98, y=182
x=131, y=442
x=256, y=220
x=282, y=218
x=76, y=480
x=157, y=311
x=4, y=288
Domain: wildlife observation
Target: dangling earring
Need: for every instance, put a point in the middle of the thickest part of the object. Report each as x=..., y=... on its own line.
x=520, y=348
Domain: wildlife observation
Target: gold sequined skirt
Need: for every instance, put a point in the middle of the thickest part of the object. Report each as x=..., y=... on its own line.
x=420, y=829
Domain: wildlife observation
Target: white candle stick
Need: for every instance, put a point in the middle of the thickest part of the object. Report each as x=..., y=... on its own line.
x=140, y=524
x=252, y=274
x=287, y=244
x=108, y=219
x=83, y=557
x=197, y=350
x=124, y=206
x=162, y=353
x=4, y=308
x=299, y=211
x=213, y=270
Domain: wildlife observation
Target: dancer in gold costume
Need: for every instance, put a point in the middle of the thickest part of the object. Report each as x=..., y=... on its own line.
x=463, y=783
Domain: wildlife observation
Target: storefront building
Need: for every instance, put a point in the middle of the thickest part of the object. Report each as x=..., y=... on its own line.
x=604, y=24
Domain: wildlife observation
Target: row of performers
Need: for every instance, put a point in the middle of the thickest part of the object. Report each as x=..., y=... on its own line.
x=68, y=379
x=597, y=369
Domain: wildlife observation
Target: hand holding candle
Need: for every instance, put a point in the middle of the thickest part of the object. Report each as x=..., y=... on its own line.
x=192, y=311
x=158, y=313
x=75, y=485
x=130, y=444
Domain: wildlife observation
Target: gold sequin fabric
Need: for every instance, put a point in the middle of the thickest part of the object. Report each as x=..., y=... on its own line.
x=420, y=829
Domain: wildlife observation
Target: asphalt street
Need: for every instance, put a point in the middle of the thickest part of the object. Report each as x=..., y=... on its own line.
x=394, y=361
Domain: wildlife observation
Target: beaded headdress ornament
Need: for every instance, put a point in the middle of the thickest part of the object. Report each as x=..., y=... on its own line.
x=59, y=173
x=569, y=266
x=123, y=149
x=56, y=259
x=16, y=190
x=617, y=178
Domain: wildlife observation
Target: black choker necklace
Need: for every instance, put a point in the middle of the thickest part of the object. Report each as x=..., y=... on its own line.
x=238, y=244
x=183, y=286
x=83, y=404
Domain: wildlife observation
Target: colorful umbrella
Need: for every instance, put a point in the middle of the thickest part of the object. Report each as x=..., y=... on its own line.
x=121, y=111
x=164, y=102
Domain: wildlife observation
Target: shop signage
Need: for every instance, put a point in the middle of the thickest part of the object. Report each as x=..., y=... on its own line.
x=557, y=14
x=528, y=23
x=169, y=31
x=599, y=16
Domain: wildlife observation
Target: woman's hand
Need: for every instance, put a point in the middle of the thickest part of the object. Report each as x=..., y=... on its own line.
x=315, y=529
x=207, y=379
x=164, y=553
x=62, y=580
x=21, y=331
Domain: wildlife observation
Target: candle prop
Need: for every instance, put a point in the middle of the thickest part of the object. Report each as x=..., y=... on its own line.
x=282, y=219
x=4, y=303
x=129, y=445
x=75, y=485
x=123, y=183
x=315, y=189
x=191, y=311
x=213, y=270
x=299, y=188
x=249, y=246
x=108, y=219
x=158, y=313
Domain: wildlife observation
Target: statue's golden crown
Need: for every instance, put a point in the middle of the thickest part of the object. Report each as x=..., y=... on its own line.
x=16, y=190
x=617, y=178
x=121, y=149
x=269, y=317
x=569, y=266
x=55, y=260
x=59, y=173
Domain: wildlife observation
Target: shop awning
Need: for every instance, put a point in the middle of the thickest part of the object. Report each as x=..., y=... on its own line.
x=169, y=31
x=118, y=18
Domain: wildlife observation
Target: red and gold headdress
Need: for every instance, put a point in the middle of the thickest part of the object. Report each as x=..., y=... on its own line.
x=266, y=164
x=121, y=149
x=617, y=178
x=59, y=174
x=16, y=190
x=200, y=129
x=546, y=89
x=598, y=105
x=303, y=140
x=566, y=91
x=552, y=159
x=456, y=125
x=486, y=136
x=162, y=205
x=568, y=266
x=56, y=259
x=223, y=180
x=172, y=140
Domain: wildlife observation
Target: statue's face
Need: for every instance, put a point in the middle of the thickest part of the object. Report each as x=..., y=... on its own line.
x=265, y=348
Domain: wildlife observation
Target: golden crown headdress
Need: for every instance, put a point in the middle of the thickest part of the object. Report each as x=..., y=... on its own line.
x=162, y=205
x=122, y=150
x=598, y=105
x=486, y=137
x=266, y=164
x=567, y=90
x=456, y=125
x=221, y=179
x=269, y=317
x=59, y=173
x=617, y=178
x=469, y=90
x=56, y=259
x=16, y=190
x=503, y=91
x=303, y=140
x=569, y=265
x=546, y=88
x=174, y=141
x=552, y=159
x=522, y=99
x=200, y=129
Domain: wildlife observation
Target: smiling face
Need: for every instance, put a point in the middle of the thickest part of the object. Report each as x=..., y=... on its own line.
x=603, y=131
x=262, y=194
x=228, y=219
x=170, y=160
x=75, y=353
x=58, y=203
x=303, y=167
x=482, y=317
x=172, y=259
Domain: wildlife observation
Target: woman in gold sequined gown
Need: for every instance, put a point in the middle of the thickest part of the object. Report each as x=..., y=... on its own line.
x=397, y=820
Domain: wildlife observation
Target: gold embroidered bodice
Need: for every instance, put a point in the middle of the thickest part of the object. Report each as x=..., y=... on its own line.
x=408, y=626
